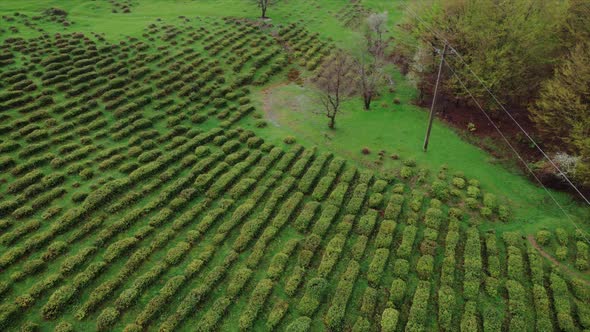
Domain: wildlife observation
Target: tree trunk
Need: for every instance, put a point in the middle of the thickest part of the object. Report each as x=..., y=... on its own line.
x=332, y=123
x=263, y=11
x=367, y=102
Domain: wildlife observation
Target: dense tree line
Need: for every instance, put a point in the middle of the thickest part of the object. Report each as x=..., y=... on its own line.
x=533, y=54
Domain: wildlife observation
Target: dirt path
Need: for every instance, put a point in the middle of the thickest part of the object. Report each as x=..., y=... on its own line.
x=267, y=102
x=553, y=260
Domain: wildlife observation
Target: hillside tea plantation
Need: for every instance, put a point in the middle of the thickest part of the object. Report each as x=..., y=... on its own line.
x=140, y=191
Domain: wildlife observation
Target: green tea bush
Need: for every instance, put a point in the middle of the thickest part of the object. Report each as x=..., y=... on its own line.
x=419, y=309
x=472, y=203
x=389, y=320
x=425, y=266
x=366, y=223
x=543, y=321
x=446, y=300
x=459, y=182
x=358, y=248
x=377, y=266
x=543, y=237
x=433, y=218
x=562, y=236
x=307, y=214
x=276, y=314
x=394, y=207
x=401, y=268
x=440, y=190
x=312, y=296
x=322, y=188
x=336, y=311
x=473, y=192
x=331, y=255
x=582, y=256
x=472, y=264
x=277, y=266
x=306, y=183
x=379, y=186
x=255, y=303
x=294, y=280
x=301, y=324
x=406, y=172
x=325, y=221
x=57, y=301
x=490, y=201
x=405, y=247
x=385, y=234
x=358, y=198
x=375, y=200
x=106, y=319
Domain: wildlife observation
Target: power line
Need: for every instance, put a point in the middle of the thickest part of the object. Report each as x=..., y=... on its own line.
x=515, y=151
x=429, y=27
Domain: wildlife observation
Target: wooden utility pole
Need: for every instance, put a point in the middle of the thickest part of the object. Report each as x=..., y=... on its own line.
x=431, y=117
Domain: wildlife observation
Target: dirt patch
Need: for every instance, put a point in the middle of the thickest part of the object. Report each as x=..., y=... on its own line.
x=553, y=260
x=267, y=102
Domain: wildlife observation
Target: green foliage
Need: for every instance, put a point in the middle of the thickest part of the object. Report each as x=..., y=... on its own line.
x=367, y=223
x=519, y=52
x=312, y=297
x=472, y=264
x=582, y=256
x=337, y=308
x=389, y=320
x=276, y=314
x=543, y=237
x=433, y=218
x=446, y=300
x=375, y=200
x=358, y=248
x=377, y=265
x=561, y=112
x=418, y=312
x=425, y=266
x=331, y=255
x=394, y=207
x=562, y=236
x=409, y=235
x=106, y=319
x=277, y=265
x=64, y=327
x=397, y=292
x=301, y=324
x=294, y=280
x=440, y=190
x=401, y=267
x=385, y=234
x=255, y=303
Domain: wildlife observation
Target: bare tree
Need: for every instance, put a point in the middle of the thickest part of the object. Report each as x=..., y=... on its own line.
x=376, y=27
x=370, y=77
x=336, y=81
x=263, y=4
x=370, y=61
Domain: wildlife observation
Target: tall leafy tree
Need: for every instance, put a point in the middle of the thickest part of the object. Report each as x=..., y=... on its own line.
x=510, y=45
x=562, y=113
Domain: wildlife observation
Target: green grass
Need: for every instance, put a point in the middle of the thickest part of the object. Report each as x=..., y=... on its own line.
x=400, y=129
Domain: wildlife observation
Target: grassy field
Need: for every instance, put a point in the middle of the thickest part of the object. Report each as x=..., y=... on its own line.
x=146, y=185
